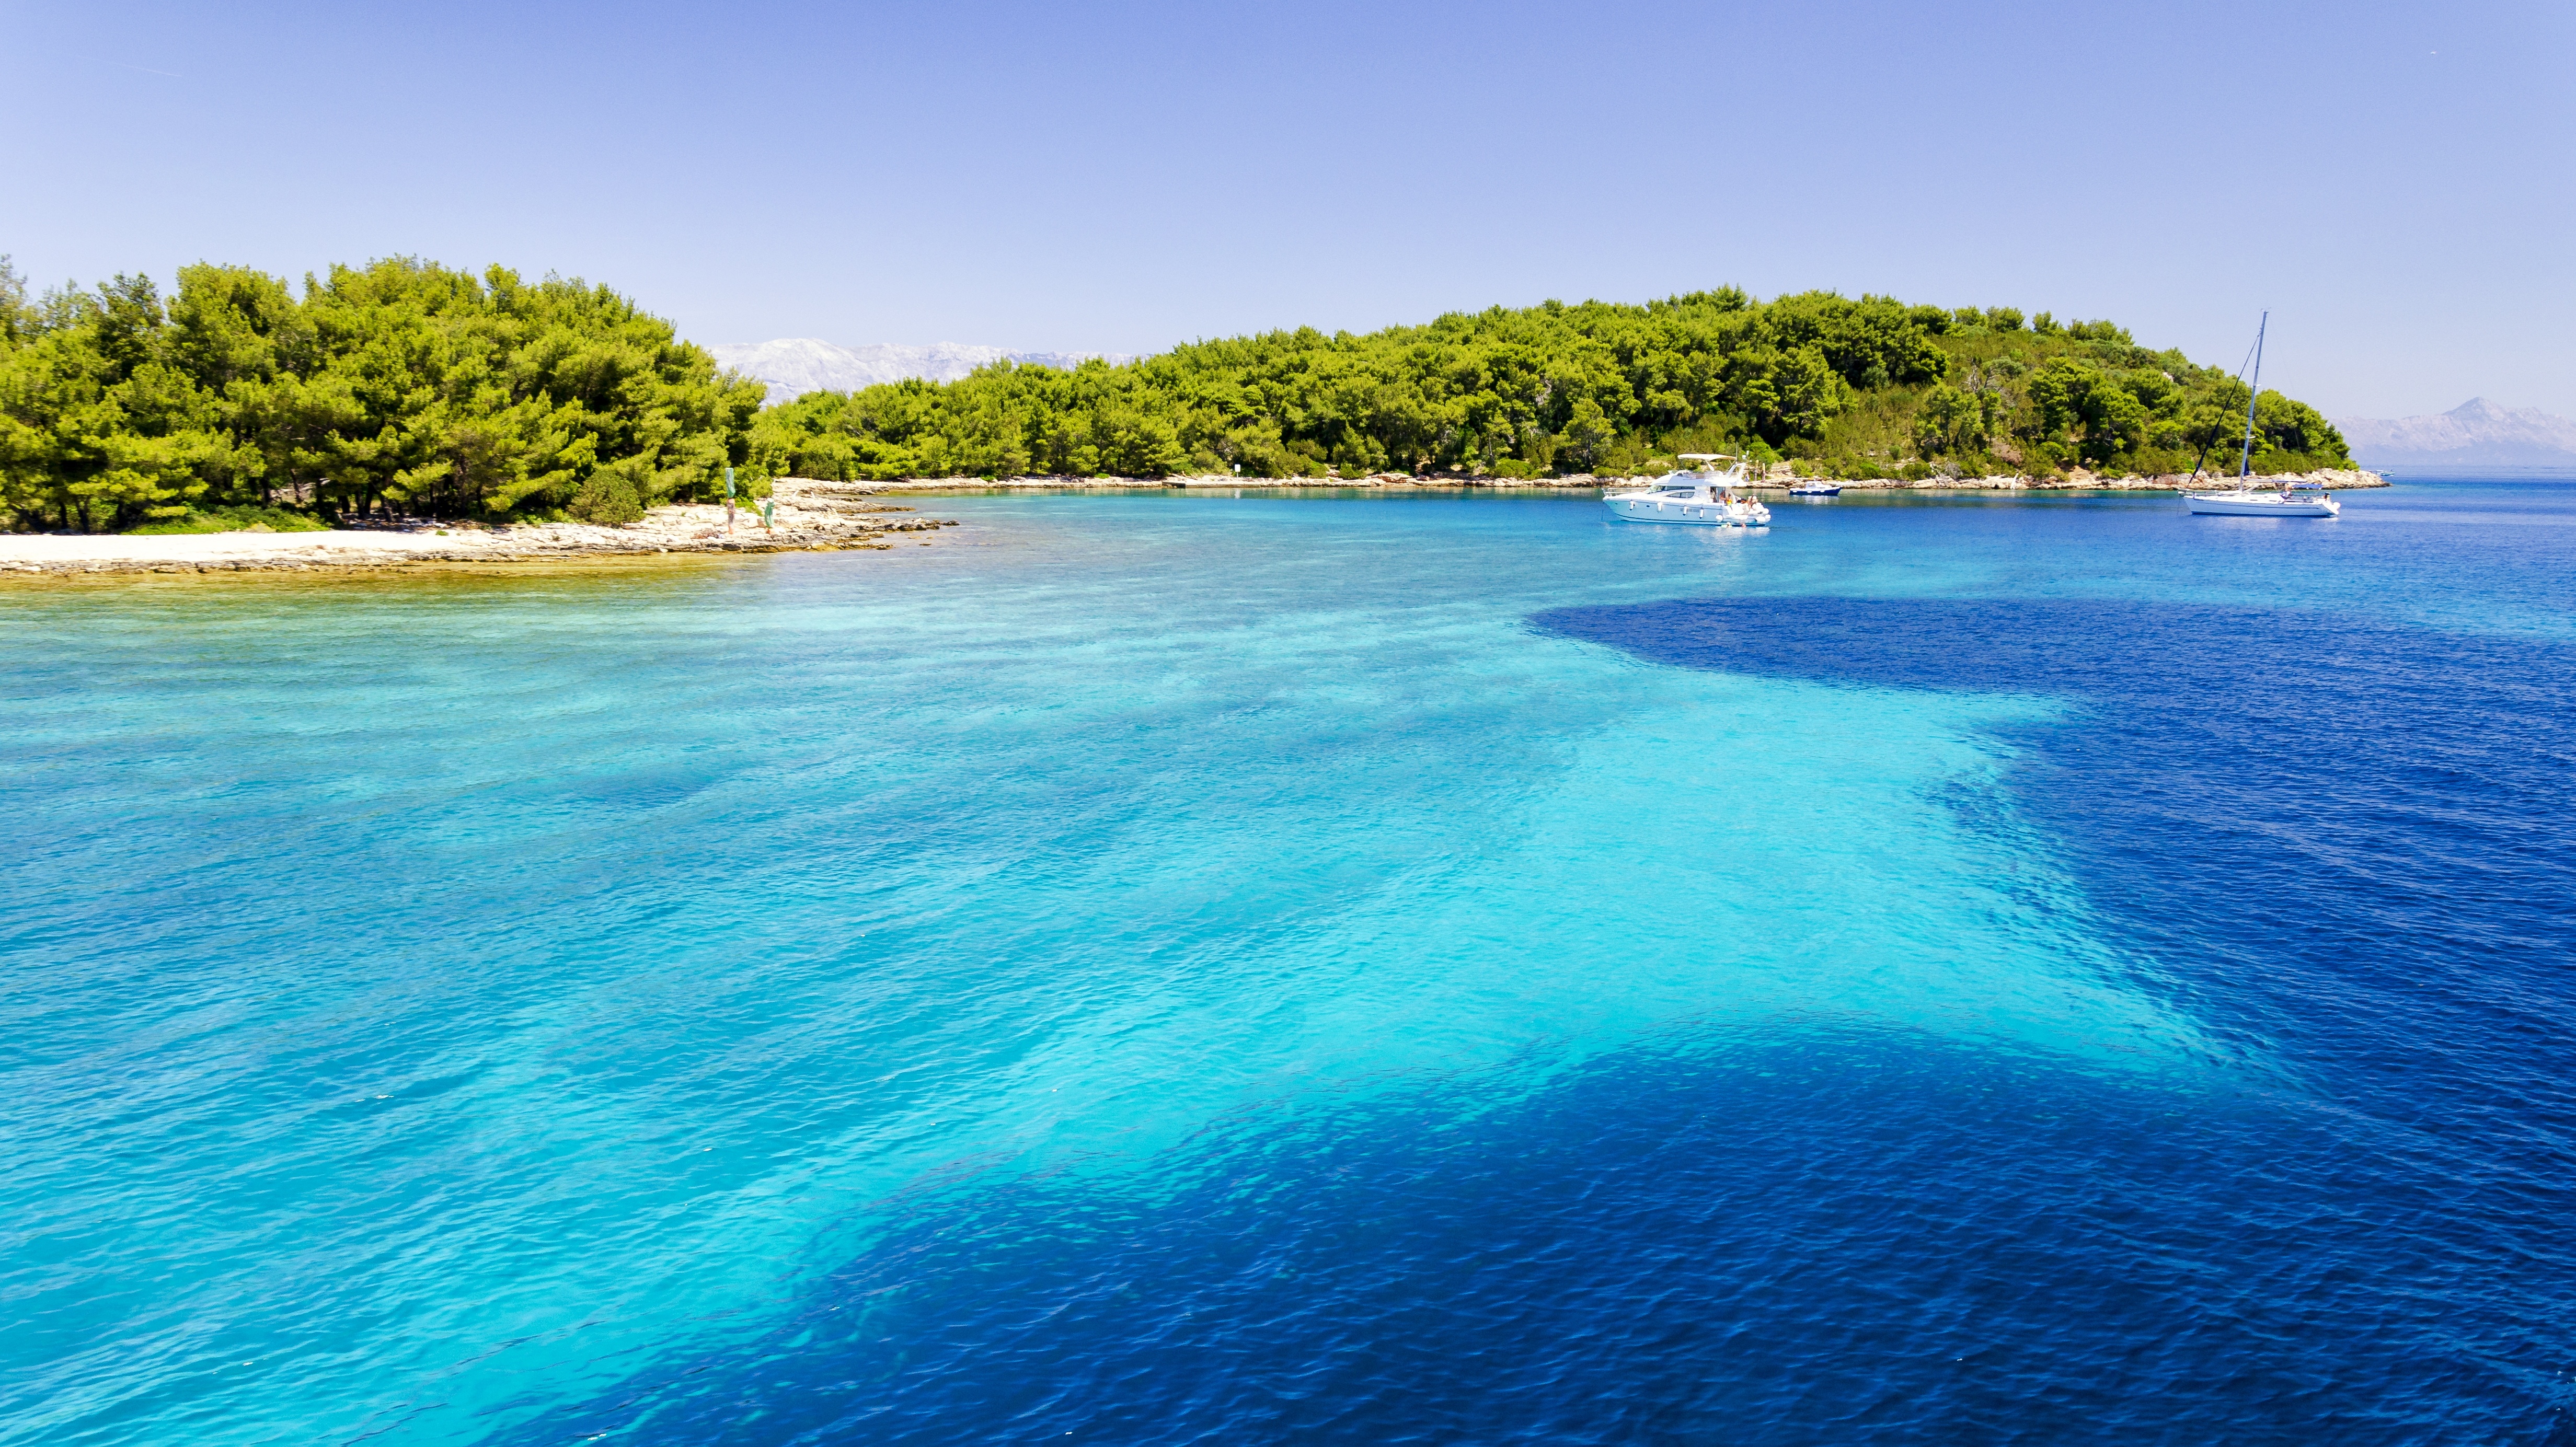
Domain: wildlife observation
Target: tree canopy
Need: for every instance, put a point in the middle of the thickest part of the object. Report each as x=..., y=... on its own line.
x=404, y=387
x=1852, y=388
x=400, y=387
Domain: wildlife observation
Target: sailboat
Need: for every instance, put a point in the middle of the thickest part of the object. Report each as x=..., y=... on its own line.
x=2300, y=499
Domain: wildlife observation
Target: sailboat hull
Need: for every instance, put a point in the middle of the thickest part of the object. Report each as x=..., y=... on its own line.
x=2261, y=505
x=1700, y=512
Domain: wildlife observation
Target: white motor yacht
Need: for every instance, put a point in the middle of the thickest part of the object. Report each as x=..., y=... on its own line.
x=1699, y=495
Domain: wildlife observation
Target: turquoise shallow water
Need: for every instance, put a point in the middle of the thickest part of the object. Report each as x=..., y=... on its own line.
x=954, y=993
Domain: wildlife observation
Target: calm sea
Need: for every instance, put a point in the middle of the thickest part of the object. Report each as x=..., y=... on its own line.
x=1206, y=969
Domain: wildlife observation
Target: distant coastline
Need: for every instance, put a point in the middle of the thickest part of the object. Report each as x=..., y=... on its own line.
x=2477, y=435
x=790, y=367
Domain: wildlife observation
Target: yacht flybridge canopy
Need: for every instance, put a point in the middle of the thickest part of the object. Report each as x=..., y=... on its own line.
x=1706, y=456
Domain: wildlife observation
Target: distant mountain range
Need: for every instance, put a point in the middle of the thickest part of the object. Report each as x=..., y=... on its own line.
x=2477, y=433
x=793, y=366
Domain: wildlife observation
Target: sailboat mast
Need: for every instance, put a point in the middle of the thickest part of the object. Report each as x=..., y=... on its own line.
x=2245, y=464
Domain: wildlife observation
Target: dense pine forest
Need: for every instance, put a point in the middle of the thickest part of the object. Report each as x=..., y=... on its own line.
x=408, y=389
x=403, y=388
x=1867, y=388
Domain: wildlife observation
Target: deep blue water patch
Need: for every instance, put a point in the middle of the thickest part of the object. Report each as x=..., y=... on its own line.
x=2345, y=815
x=2350, y=843
x=1820, y=1237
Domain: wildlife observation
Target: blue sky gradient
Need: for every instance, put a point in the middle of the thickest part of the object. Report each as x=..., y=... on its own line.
x=2391, y=180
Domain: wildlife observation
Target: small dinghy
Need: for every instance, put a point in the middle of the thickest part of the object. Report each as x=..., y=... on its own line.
x=1817, y=489
x=1701, y=496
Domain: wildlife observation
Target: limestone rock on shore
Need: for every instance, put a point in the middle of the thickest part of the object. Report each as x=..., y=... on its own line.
x=807, y=516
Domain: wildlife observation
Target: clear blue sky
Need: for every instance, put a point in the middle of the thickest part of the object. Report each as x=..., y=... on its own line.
x=2396, y=182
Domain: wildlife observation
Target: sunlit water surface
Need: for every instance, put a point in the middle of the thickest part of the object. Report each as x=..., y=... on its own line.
x=1212, y=969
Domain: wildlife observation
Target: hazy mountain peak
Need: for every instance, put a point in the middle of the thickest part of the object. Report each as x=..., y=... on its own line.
x=2476, y=433
x=793, y=366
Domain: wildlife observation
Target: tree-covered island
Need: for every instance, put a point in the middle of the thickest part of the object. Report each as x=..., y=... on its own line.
x=406, y=388
x=1867, y=388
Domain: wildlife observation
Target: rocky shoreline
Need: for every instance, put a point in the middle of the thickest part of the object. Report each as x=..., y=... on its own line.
x=2340, y=479
x=1779, y=479
x=807, y=516
x=813, y=516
